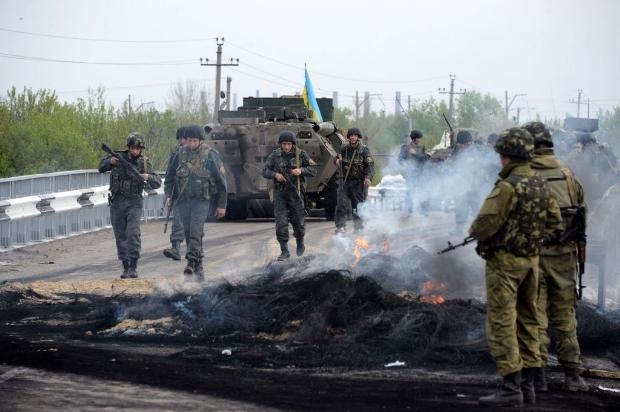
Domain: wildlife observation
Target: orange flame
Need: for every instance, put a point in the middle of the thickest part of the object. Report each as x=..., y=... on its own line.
x=360, y=244
x=431, y=293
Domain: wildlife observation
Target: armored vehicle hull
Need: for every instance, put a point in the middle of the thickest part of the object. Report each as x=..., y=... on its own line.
x=246, y=137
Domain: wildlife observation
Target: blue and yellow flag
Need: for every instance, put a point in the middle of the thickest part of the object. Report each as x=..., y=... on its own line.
x=310, y=100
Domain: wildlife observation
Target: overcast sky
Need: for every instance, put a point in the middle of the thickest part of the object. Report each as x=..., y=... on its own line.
x=544, y=49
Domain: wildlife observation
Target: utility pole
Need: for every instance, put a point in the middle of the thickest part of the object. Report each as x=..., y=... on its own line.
x=218, y=74
x=578, y=102
x=357, y=106
x=508, y=105
x=228, y=81
x=442, y=90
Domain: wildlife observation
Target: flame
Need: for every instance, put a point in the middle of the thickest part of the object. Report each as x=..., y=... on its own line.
x=432, y=293
x=360, y=244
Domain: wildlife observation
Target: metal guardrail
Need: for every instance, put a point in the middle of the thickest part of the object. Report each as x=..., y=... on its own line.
x=44, y=207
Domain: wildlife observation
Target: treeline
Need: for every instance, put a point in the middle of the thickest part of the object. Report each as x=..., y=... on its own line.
x=40, y=134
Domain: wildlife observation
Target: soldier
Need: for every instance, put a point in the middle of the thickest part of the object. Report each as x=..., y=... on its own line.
x=288, y=166
x=412, y=158
x=125, y=200
x=356, y=169
x=557, y=299
x=509, y=228
x=177, y=234
x=197, y=176
x=466, y=157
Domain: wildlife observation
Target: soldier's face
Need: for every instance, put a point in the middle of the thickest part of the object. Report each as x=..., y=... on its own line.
x=135, y=151
x=353, y=139
x=286, y=146
x=193, y=143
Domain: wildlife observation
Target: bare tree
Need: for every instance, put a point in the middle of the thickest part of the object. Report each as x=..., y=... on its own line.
x=188, y=102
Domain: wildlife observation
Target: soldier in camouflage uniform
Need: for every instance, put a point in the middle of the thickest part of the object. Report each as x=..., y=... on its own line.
x=126, y=200
x=510, y=227
x=288, y=166
x=177, y=234
x=412, y=157
x=357, y=169
x=557, y=296
x=197, y=177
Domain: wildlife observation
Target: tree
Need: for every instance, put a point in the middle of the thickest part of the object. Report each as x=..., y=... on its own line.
x=482, y=112
x=189, y=103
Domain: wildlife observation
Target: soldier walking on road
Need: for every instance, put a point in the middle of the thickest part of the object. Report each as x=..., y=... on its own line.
x=126, y=200
x=510, y=227
x=288, y=166
x=196, y=177
x=557, y=296
x=177, y=234
x=357, y=170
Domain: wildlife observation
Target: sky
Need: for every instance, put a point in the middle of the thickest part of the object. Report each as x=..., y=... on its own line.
x=541, y=52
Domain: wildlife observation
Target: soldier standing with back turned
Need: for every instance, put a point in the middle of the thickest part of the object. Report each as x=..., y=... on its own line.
x=510, y=227
x=557, y=296
x=126, y=200
x=197, y=176
x=288, y=166
x=357, y=169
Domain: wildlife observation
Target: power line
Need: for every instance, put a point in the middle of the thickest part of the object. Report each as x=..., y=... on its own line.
x=46, y=59
x=56, y=36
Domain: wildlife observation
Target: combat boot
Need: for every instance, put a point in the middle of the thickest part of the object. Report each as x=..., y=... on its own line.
x=173, y=252
x=190, y=269
x=132, y=272
x=573, y=382
x=540, y=381
x=285, y=253
x=528, y=385
x=125, y=273
x=301, y=248
x=199, y=271
x=508, y=394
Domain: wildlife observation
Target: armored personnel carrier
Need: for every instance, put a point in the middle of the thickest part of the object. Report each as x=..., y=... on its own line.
x=245, y=137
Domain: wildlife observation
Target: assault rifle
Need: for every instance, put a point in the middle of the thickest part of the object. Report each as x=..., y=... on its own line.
x=292, y=186
x=450, y=247
x=447, y=122
x=126, y=164
x=577, y=233
x=167, y=216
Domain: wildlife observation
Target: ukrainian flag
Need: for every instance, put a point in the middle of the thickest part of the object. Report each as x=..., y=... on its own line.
x=310, y=100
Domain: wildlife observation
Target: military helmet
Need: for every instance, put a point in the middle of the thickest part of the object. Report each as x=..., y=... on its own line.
x=286, y=136
x=194, y=131
x=415, y=134
x=181, y=132
x=492, y=138
x=463, y=136
x=540, y=133
x=136, y=139
x=515, y=142
x=354, y=131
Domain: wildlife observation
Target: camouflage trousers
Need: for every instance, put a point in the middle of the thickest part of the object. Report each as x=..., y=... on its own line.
x=556, y=304
x=177, y=234
x=512, y=322
x=125, y=215
x=193, y=213
x=288, y=207
x=354, y=191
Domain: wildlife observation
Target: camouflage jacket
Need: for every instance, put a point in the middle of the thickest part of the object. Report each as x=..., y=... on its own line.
x=564, y=187
x=197, y=174
x=517, y=214
x=357, y=162
x=413, y=152
x=124, y=183
x=281, y=162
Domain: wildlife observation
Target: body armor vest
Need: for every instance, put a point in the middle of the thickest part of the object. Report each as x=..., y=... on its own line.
x=125, y=184
x=353, y=162
x=193, y=174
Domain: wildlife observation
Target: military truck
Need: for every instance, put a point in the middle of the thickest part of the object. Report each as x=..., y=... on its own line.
x=444, y=148
x=245, y=137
